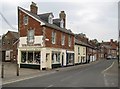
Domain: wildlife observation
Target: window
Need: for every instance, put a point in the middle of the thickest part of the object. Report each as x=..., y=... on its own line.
x=78, y=50
x=25, y=20
x=63, y=39
x=30, y=57
x=55, y=57
x=53, y=37
x=30, y=38
x=8, y=41
x=23, y=57
x=3, y=42
x=70, y=58
x=61, y=23
x=50, y=20
x=83, y=51
x=69, y=41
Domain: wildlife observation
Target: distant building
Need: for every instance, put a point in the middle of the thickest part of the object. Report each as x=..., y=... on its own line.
x=110, y=48
x=8, y=40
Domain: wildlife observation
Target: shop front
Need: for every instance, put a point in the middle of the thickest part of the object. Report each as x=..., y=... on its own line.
x=42, y=58
x=70, y=58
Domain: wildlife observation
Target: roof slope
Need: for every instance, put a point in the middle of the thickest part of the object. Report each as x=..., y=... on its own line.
x=38, y=17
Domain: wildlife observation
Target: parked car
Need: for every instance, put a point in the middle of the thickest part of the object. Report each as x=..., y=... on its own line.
x=109, y=57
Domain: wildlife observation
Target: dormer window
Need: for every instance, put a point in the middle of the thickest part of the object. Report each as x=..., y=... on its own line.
x=61, y=23
x=50, y=19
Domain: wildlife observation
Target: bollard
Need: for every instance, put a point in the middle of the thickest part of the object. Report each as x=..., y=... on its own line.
x=17, y=69
x=2, y=71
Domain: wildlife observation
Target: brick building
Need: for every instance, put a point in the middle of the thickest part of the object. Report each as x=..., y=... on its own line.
x=109, y=48
x=44, y=42
x=8, y=40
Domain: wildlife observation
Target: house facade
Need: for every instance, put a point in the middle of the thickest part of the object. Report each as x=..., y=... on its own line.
x=109, y=48
x=44, y=42
x=89, y=48
x=8, y=40
x=80, y=49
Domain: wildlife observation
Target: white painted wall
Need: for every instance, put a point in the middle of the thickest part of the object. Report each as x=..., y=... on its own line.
x=7, y=57
x=23, y=40
x=37, y=40
x=82, y=53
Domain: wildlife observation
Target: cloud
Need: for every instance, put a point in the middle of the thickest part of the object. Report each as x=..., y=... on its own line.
x=96, y=18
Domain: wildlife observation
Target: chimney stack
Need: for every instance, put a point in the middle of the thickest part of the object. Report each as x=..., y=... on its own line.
x=62, y=15
x=33, y=8
x=111, y=40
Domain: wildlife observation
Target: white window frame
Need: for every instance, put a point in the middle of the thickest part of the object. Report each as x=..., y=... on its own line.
x=50, y=19
x=63, y=39
x=53, y=37
x=25, y=20
x=69, y=41
x=30, y=36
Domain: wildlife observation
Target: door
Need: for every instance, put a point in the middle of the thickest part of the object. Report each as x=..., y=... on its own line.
x=7, y=58
x=48, y=62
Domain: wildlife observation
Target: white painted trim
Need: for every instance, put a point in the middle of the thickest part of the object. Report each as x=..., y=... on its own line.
x=42, y=23
x=70, y=51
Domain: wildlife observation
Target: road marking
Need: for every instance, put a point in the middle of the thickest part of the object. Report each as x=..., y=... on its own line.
x=49, y=86
x=108, y=68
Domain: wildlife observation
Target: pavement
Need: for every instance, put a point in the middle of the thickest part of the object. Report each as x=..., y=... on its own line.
x=10, y=74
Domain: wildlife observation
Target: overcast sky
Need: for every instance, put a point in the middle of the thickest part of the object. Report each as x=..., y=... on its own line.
x=98, y=19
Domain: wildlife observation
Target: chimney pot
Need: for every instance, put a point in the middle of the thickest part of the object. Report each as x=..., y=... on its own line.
x=62, y=15
x=33, y=8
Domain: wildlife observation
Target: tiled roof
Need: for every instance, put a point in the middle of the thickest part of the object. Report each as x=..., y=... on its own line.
x=82, y=43
x=46, y=23
x=44, y=16
x=57, y=22
x=15, y=34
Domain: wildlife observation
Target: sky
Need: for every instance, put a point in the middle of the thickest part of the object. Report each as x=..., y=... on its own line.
x=98, y=19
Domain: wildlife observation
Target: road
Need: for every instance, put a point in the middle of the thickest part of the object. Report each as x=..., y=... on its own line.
x=97, y=74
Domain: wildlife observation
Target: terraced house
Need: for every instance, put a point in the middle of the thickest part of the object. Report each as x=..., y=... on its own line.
x=44, y=41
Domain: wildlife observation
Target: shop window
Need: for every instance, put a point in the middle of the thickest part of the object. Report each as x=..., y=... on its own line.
x=55, y=57
x=70, y=58
x=30, y=57
x=23, y=57
x=37, y=57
